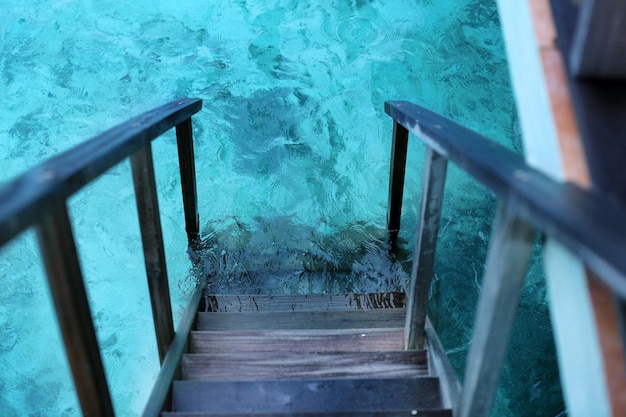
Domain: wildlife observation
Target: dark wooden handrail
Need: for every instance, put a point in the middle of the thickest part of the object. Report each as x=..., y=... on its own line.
x=28, y=198
x=39, y=198
x=589, y=225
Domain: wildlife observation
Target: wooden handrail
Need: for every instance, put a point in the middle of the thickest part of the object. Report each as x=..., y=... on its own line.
x=591, y=226
x=39, y=198
x=588, y=224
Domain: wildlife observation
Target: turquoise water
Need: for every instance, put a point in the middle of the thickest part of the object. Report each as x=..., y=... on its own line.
x=292, y=133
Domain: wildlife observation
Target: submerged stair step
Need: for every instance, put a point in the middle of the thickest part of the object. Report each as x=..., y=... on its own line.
x=341, y=319
x=309, y=396
x=223, y=303
x=315, y=340
x=283, y=365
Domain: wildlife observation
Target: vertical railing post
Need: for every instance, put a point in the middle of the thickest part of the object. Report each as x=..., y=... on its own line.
x=72, y=307
x=431, y=202
x=186, y=161
x=507, y=261
x=154, y=253
x=399, y=144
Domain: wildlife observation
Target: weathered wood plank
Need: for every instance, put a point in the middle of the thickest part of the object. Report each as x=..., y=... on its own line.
x=392, y=413
x=339, y=319
x=312, y=396
x=316, y=340
x=300, y=302
x=431, y=202
x=249, y=366
x=509, y=251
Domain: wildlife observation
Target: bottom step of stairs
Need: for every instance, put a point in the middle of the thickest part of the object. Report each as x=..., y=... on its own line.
x=297, y=355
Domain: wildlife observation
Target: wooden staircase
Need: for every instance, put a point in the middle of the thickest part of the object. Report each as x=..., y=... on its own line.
x=304, y=355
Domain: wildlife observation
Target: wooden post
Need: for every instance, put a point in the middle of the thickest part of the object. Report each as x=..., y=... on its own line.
x=72, y=307
x=434, y=179
x=154, y=253
x=399, y=146
x=184, y=138
x=505, y=271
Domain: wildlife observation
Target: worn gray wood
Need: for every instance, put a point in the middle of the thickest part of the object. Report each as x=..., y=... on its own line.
x=599, y=44
x=313, y=396
x=341, y=319
x=170, y=369
x=153, y=251
x=431, y=202
x=67, y=288
x=399, y=144
x=509, y=251
x=187, y=166
x=315, y=340
x=237, y=366
x=392, y=413
x=577, y=218
x=300, y=302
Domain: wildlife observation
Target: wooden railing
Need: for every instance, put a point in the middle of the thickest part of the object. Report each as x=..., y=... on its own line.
x=39, y=198
x=590, y=226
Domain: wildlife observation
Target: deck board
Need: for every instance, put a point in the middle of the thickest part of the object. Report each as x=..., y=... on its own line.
x=340, y=319
x=316, y=340
x=282, y=365
x=310, y=396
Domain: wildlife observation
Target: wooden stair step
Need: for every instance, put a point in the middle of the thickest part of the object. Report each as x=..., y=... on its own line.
x=392, y=413
x=212, y=303
x=284, y=365
x=315, y=340
x=340, y=319
x=306, y=396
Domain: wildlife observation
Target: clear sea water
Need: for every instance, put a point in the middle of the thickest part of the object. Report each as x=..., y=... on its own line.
x=292, y=133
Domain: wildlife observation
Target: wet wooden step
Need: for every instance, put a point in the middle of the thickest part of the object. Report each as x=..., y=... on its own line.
x=339, y=319
x=394, y=413
x=306, y=396
x=315, y=340
x=285, y=365
x=300, y=302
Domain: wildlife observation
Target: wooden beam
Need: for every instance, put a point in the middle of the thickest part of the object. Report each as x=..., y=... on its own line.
x=599, y=44
x=399, y=145
x=72, y=308
x=433, y=182
x=505, y=271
